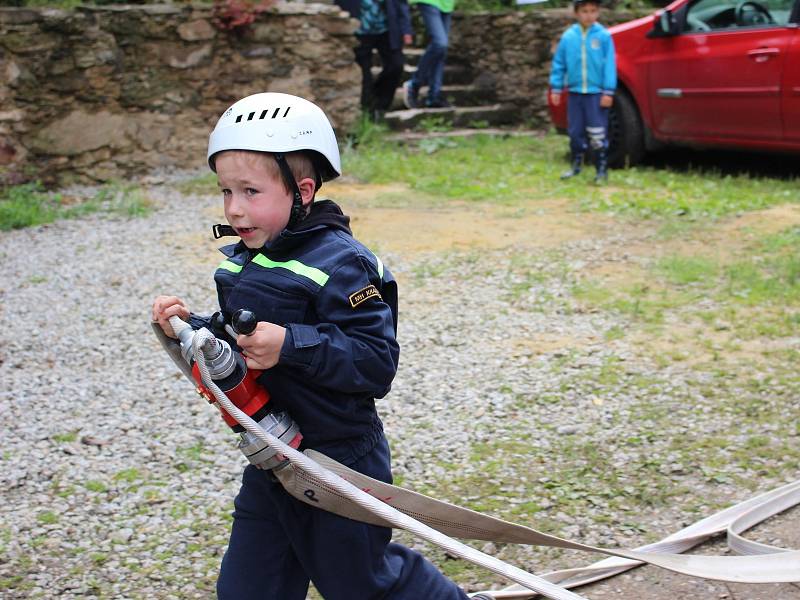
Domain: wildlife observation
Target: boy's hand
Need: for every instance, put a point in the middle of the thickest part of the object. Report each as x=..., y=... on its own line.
x=262, y=348
x=408, y=39
x=165, y=307
x=555, y=97
x=606, y=101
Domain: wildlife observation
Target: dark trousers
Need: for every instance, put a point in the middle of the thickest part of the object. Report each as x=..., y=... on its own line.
x=377, y=93
x=587, y=123
x=278, y=544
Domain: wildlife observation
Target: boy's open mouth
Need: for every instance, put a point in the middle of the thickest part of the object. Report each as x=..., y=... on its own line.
x=245, y=230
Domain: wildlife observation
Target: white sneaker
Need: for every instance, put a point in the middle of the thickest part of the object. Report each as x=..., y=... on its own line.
x=410, y=95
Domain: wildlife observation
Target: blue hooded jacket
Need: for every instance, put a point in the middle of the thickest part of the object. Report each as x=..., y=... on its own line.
x=338, y=304
x=398, y=18
x=587, y=61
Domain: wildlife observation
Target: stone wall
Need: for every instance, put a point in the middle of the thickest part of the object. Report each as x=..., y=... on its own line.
x=511, y=53
x=98, y=93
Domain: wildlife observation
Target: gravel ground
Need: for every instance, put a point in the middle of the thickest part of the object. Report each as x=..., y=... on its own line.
x=118, y=482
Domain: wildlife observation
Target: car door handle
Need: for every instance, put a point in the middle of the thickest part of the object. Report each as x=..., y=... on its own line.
x=763, y=54
x=669, y=92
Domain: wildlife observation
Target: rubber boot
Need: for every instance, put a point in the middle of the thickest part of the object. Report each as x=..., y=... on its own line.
x=602, y=166
x=577, y=162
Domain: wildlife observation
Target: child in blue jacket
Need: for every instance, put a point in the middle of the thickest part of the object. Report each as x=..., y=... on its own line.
x=386, y=28
x=586, y=62
x=326, y=341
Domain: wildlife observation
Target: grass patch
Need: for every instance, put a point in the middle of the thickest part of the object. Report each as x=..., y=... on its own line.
x=30, y=204
x=26, y=205
x=367, y=133
x=95, y=486
x=684, y=270
x=128, y=475
x=435, y=124
x=201, y=185
x=70, y=436
x=516, y=169
x=615, y=332
x=690, y=195
x=753, y=294
x=122, y=199
x=47, y=517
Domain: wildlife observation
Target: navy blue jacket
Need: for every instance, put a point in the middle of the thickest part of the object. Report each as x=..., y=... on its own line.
x=398, y=17
x=339, y=306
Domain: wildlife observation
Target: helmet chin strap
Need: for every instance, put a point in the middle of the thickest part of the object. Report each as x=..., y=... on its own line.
x=298, y=212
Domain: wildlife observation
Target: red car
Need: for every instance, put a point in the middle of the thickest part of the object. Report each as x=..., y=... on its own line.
x=722, y=73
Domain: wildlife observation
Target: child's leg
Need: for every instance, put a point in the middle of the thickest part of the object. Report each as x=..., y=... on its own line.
x=391, y=72
x=350, y=560
x=259, y=563
x=347, y=560
x=596, y=120
x=576, y=128
x=596, y=128
x=576, y=124
x=363, y=53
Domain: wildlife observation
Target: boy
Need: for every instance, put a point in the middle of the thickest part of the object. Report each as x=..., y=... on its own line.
x=585, y=53
x=385, y=27
x=437, y=16
x=327, y=312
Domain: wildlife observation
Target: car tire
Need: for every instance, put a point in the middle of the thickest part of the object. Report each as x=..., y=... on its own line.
x=625, y=132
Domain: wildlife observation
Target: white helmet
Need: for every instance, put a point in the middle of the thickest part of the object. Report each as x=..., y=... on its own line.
x=277, y=123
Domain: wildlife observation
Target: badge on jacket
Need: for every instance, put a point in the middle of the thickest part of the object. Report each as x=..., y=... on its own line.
x=363, y=295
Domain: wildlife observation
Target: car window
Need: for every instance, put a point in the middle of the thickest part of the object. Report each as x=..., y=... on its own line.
x=711, y=15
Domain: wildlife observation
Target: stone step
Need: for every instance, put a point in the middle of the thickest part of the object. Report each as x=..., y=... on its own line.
x=475, y=117
x=457, y=95
x=453, y=73
x=405, y=137
x=413, y=55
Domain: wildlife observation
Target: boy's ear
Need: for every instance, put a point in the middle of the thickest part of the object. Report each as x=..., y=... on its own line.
x=307, y=187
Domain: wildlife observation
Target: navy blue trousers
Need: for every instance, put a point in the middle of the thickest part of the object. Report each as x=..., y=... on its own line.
x=278, y=544
x=587, y=123
x=378, y=93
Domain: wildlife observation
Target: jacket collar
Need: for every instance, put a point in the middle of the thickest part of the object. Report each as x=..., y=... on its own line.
x=324, y=214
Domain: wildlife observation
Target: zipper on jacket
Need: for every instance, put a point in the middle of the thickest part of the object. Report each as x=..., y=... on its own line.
x=584, y=68
x=251, y=254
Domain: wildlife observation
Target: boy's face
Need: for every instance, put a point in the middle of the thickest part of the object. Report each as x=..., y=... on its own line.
x=587, y=14
x=257, y=204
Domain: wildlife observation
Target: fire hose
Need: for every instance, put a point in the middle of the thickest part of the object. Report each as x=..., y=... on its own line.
x=317, y=480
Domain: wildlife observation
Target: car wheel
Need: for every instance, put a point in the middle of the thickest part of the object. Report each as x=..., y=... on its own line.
x=626, y=135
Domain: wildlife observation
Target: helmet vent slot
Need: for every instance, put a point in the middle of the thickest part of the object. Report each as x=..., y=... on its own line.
x=264, y=114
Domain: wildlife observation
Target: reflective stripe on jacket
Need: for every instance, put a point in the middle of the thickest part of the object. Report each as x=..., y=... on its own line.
x=338, y=304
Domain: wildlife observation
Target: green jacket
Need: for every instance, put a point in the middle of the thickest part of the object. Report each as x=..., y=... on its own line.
x=446, y=6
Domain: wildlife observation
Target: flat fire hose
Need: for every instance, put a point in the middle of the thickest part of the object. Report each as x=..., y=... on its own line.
x=322, y=482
